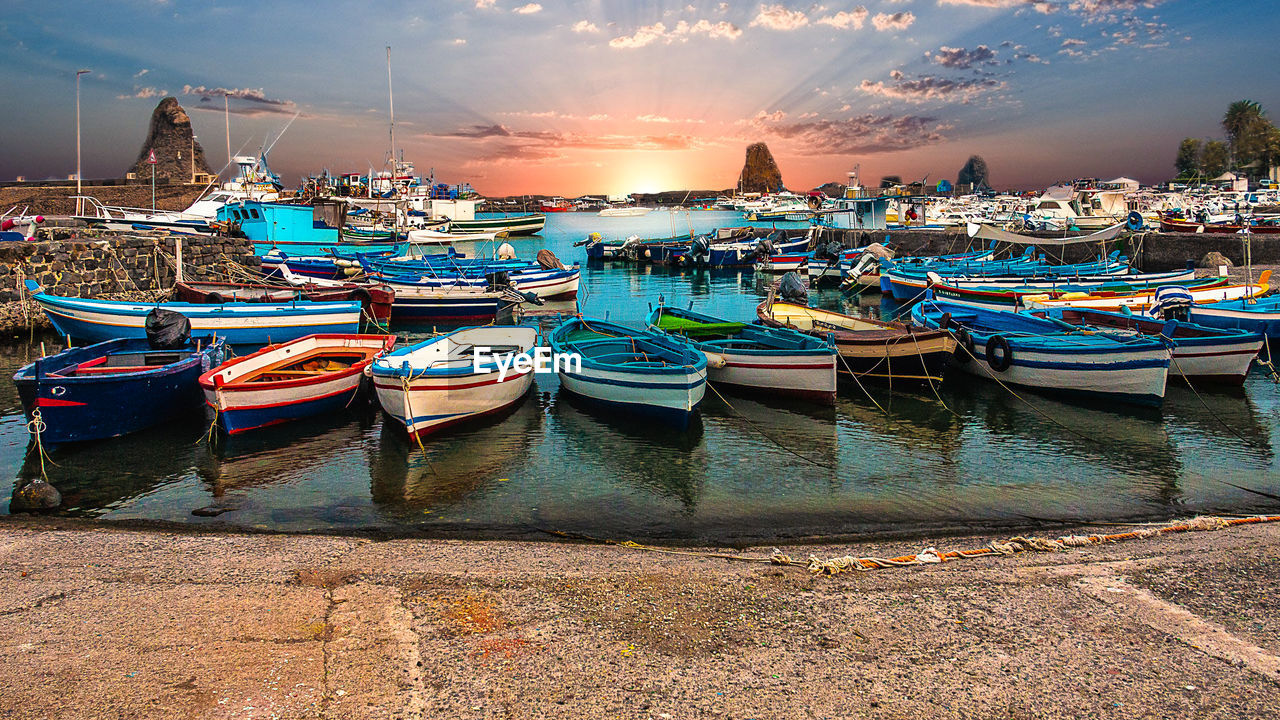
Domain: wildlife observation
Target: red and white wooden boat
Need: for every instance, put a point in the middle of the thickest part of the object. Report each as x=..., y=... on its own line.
x=309, y=376
x=441, y=382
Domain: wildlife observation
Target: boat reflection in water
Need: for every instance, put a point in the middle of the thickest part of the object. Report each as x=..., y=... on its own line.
x=618, y=451
x=285, y=453
x=460, y=467
x=96, y=478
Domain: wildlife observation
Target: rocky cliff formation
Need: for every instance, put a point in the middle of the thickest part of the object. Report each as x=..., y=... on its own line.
x=975, y=174
x=171, y=137
x=760, y=173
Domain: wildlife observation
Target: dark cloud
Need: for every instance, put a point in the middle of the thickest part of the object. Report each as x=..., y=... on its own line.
x=500, y=143
x=962, y=59
x=252, y=95
x=247, y=101
x=926, y=88
x=864, y=134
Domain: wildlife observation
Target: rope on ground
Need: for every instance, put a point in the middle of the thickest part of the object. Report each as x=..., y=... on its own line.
x=932, y=556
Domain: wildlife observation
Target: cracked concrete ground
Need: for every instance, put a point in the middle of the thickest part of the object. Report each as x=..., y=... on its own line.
x=106, y=622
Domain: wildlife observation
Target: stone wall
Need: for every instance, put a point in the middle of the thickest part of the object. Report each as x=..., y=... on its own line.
x=105, y=264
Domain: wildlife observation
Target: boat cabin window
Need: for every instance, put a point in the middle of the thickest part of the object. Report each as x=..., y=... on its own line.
x=254, y=213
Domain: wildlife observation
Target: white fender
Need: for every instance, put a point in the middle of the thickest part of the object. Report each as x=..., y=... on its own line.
x=715, y=360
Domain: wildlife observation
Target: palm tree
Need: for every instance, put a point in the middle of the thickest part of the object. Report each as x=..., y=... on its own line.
x=1243, y=121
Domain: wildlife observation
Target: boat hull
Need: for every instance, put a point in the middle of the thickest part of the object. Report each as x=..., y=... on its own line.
x=1136, y=378
x=671, y=398
x=802, y=377
x=520, y=225
x=1260, y=317
x=95, y=407
x=250, y=406
x=426, y=398
x=91, y=321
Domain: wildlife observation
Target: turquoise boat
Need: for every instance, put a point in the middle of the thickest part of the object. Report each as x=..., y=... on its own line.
x=640, y=372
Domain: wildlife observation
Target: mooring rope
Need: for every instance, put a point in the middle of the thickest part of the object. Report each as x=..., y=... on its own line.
x=764, y=434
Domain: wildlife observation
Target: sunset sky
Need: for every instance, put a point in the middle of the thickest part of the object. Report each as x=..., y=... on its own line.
x=598, y=96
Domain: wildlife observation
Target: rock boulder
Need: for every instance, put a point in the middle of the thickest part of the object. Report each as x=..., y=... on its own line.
x=171, y=137
x=760, y=173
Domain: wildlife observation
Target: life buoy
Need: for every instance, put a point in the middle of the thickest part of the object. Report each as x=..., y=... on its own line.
x=966, y=343
x=999, y=354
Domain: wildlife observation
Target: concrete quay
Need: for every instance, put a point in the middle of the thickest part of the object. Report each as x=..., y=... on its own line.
x=105, y=621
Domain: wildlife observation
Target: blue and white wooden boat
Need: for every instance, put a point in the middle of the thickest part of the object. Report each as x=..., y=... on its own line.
x=114, y=387
x=1200, y=353
x=314, y=375
x=554, y=284
x=910, y=285
x=775, y=362
x=439, y=382
x=1048, y=356
x=90, y=321
x=1260, y=315
x=640, y=372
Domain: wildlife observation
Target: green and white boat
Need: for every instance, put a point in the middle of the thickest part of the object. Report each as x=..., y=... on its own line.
x=512, y=224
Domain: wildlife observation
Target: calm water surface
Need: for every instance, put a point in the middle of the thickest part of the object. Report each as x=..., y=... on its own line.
x=973, y=455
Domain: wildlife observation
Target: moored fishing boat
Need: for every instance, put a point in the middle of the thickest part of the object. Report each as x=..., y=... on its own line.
x=1030, y=352
x=1143, y=299
x=869, y=349
x=639, y=371
x=1017, y=297
x=301, y=378
x=1171, y=224
x=769, y=361
x=113, y=387
x=440, y=382
x=624, y=212
x=512, y=225
x=374, y=298
x=1199, y=353
x=1260, y=315
x=421, y=305
x=258, y=324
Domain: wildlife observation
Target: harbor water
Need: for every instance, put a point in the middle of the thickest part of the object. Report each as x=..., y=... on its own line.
x=970, y=454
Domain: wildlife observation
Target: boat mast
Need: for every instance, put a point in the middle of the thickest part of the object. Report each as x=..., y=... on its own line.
x=392, y=106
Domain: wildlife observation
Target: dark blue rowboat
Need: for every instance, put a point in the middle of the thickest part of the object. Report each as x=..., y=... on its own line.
x=113, y=388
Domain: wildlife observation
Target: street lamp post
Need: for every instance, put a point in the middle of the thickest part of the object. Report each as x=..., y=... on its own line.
x=79, y=202
x=193, y=157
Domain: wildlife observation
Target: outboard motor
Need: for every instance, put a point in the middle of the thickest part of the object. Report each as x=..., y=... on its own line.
x=828, y=251
x=699, y=251
x=498, y=280
x=1172, y=302
x=167, y=330
x=791, y=288
x=506, y=252
x=764, y=249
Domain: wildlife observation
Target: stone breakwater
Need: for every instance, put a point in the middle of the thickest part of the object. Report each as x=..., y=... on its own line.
x=106, y=265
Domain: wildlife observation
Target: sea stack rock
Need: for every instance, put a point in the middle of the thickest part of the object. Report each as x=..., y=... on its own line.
x=974, y=174
x=171, y=138
x=760, y=173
